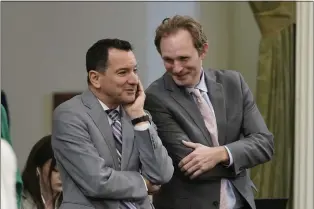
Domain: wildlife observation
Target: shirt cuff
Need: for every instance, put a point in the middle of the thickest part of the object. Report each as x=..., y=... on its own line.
x=144, y=183
x=142, y=127
x=230, y=157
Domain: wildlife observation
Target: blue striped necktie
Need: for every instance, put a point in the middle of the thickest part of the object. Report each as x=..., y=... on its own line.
x=117, y=133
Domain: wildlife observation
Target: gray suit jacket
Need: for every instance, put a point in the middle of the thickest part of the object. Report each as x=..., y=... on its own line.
x=240, y=127
x=85, y=151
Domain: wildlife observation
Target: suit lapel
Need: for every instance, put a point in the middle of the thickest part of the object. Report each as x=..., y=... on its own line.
x=186, y=101
x=217, y=98
x=99, y=117
x=127, y=139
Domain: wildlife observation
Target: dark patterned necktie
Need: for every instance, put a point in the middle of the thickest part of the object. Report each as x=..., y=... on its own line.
x=116, y=130
x=117, y=134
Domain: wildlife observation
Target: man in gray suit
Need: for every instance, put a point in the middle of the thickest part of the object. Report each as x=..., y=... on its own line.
x=208, y=122
x=106, y=146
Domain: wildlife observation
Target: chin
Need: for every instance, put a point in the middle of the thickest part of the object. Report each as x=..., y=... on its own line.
x=185, y=82
x=128, y=99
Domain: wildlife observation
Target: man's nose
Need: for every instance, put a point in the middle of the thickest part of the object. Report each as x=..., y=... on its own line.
x=177, y=67
x=133, y=79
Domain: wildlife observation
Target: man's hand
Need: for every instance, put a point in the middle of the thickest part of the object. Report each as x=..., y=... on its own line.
x=202, y=159
x=151, y=188
x=136, y=109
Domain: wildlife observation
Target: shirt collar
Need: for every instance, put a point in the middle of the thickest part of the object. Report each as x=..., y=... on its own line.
x=105, y=107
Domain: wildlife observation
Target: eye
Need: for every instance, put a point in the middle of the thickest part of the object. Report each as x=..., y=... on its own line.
x=168, y=60
x=122, y=72
x=183, y=58
x=135, y=70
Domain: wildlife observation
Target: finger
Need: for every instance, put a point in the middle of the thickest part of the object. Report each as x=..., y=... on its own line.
x=186, y=160
x=196, y=174
x=189, y=144
x=192, y=169
x=140, y=86
x=140, y=92
x=188, y=165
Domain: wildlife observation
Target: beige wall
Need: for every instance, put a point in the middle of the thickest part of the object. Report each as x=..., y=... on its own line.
x=244, y=42
x=44, y=46
x=233, y=38
x=215, y=18
x=43, y=51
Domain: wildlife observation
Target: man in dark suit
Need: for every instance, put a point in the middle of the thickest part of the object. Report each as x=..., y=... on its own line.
x=208, y=122
x=108, y=152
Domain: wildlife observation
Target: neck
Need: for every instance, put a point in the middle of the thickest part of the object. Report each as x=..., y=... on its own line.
x=197, y=80
x=47, y=195
x=104, y=98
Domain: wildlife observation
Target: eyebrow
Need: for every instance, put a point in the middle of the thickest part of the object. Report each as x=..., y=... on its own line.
x=166, y=57
x=178, y=57
x=125, y=68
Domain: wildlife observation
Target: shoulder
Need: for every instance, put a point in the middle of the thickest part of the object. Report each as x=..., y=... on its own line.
x=27, y=201
x=229, y=79
x=156, y=86
x=157, y=90
x=74, y=102
x=222, y=75
x=69, y=109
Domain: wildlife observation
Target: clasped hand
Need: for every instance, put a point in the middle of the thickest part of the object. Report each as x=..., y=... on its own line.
x=202, y=159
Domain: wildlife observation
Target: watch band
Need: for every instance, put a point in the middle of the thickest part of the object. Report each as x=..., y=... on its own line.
x=140, y=119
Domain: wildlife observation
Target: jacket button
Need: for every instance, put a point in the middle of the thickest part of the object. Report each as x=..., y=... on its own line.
x=216, y=203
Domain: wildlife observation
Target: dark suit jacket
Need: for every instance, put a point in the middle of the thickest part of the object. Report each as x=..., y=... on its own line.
x=240, y=127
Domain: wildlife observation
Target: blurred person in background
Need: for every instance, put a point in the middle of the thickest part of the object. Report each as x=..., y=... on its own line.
x=42, y=184
x=9, y=160
x=8, y=173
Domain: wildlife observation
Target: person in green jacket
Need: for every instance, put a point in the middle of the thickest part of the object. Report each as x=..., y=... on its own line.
x=5, y=135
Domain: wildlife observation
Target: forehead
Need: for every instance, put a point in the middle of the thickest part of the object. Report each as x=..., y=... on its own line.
x=177, y=44
x=118, y=59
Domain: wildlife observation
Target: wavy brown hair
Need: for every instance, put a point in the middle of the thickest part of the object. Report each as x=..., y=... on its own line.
x=172, y=25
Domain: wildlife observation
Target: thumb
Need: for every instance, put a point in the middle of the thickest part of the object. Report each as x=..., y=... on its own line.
x=190, y=144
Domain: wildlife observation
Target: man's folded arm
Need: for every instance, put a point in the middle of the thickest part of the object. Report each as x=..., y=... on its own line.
x=77, y=154
x=157, y=166
x=172, y=135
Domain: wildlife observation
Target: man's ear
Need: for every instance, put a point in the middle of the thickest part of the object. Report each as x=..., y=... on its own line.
x=94, y=78
x=204, y=51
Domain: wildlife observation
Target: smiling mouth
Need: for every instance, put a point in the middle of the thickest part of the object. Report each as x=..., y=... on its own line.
x=181, y=76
